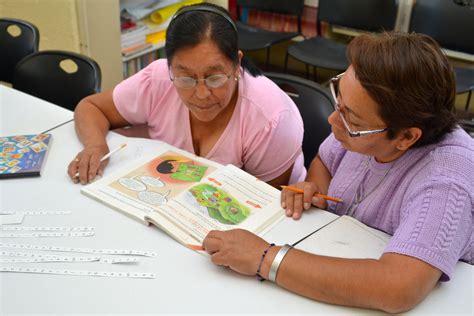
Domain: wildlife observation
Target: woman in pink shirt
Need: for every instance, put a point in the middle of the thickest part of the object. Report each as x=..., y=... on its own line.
x=204, y=98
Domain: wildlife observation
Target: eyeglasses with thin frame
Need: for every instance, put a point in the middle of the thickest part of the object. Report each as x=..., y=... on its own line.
x=212, y=82
x=334, y=87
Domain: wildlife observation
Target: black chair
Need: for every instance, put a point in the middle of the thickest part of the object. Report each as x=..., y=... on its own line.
x=60, y=77
x=253, y=38
x=315, y=105
x=452, y=26
x=18, y=39
x=464, y=83
x=366, y=15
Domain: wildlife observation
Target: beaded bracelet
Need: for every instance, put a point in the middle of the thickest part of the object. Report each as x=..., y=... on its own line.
x=259, y=277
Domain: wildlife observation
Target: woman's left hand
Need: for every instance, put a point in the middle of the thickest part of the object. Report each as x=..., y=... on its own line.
x=237, y=249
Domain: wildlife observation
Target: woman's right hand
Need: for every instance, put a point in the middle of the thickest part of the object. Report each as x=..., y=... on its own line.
x=85, y=167
x=295, y=203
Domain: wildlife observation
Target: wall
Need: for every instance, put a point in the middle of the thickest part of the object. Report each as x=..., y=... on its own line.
x=99, y=26
x=55, y=19
x=89, y=27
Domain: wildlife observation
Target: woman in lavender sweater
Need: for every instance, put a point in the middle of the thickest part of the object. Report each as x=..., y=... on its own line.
x=399, y=162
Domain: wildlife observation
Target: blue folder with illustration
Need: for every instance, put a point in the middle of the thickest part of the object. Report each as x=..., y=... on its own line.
x=23, y=155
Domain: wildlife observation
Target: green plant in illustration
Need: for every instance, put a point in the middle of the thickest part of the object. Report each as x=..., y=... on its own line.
x=220, y=205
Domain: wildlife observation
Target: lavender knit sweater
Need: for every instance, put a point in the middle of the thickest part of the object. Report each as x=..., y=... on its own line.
x=425, y=198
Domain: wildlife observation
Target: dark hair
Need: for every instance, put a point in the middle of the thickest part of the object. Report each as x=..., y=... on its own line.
x=193, y=24
x=410, y=79
x=165, y=166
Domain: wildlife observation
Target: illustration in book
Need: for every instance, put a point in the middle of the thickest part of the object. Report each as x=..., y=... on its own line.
x=218, y=204
x=161, y=179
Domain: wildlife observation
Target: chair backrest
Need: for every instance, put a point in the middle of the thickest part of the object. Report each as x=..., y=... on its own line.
x=293, y=7
x=450, y=24
x=17, y=39
x=315, y=105
x=60, y=77
x=367, y=15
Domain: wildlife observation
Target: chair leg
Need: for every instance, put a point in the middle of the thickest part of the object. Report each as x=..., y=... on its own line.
x=315, y=73
x=267, y=63
x=307, y=71
x=468, y=100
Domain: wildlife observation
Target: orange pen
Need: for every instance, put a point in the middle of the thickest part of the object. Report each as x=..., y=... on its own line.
x=326, y=197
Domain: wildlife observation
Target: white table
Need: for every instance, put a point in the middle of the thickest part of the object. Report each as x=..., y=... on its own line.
x=21, y=113
x=186, y=282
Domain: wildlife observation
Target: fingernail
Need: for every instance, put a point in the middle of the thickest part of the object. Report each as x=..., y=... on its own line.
x=283, y=204
x=288, y=212
x=306, y=206
x=315, y=200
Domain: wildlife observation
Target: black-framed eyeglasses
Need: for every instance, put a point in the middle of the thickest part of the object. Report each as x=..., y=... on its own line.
x=334, y=87
x=212, y=82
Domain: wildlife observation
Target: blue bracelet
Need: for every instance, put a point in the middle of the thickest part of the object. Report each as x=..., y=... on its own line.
x=259, y=277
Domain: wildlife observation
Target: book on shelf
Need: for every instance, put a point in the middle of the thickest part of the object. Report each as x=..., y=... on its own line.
x=128, y=51
x=188, y=196
x=137, y=11
x=144, y=33
x=134, y=62
x=23, y=155
x=136, y=35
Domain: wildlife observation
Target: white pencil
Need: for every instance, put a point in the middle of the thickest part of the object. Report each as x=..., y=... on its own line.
x=107, y=155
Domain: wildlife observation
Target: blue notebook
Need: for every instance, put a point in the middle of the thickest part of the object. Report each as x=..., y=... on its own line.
x=23, y=155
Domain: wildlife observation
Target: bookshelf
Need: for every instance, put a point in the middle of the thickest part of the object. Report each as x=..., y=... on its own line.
x=133, y=62
x=144, y=24
x=144, y=52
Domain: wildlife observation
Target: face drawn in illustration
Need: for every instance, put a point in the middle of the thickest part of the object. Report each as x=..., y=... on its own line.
x=220, y=205
x=183, y=171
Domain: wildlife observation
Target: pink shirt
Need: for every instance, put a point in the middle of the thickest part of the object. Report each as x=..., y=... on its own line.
x=263, y=137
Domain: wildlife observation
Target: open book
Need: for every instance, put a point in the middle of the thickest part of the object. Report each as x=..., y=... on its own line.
x=188, y=196
x=346, y=237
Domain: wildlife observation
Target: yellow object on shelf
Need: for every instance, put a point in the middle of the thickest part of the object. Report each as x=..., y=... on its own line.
x=154, y=38
x=161, y=15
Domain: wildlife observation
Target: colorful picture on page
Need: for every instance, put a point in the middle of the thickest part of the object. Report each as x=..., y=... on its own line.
x=220, y=205
x=161, y=179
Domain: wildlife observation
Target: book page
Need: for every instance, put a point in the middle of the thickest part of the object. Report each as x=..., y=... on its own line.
x=147, y=183
x=229, y=198
x=346, y=237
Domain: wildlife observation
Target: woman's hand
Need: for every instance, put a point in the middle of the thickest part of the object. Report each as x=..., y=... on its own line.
x=295, y=203
x=87, y=164
x=237, y=249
